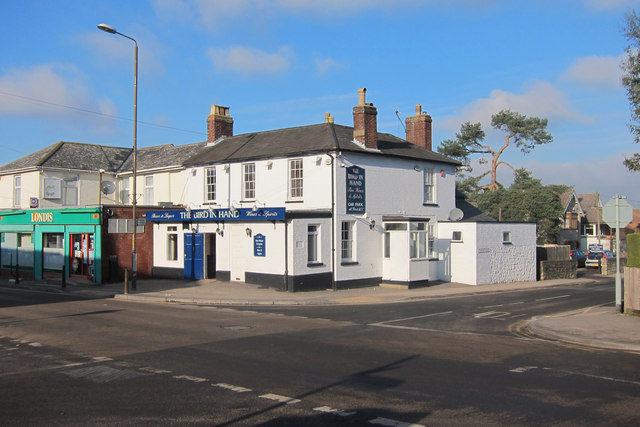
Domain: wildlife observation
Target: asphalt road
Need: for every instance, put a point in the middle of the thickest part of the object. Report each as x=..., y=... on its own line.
x=436, y=362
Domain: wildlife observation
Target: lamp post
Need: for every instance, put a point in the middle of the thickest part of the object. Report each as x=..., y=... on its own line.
x=134, y=260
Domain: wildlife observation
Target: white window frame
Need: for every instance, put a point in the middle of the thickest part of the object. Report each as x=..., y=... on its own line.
x=456, y=236
x=248, y=181
x=313, y=244
x=70, y=191
x=296, y=182
x=347, y=241
x=506, y=237
x=431, y=240
x=210, y=184
x=17, y=190
x=172, y=243
x=429, y=182
x=148, y=190
x=125, y=191
x=418, y=240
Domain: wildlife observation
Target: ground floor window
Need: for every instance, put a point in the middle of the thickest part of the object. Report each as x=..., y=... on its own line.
x=172, y=243
x=347, y=241
x=53, y=240
x=418, y=240
x=312, y=243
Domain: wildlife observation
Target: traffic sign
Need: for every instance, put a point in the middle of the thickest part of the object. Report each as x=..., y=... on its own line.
x=617, y=212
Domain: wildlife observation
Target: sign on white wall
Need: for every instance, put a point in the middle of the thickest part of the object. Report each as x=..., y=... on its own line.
x=356, y=202
x=52, y=188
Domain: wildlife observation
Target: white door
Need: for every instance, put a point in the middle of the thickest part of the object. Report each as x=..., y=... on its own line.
x=239, y=242
x=395, y=264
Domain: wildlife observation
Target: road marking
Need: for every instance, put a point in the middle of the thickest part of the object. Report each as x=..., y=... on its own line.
x=35, y=344
x=154, y=370
x=411, y=318
x=599, y=377
x=523, y=369
x=559, y=296
x=190, y=378
x=492, y=315
x=102, y=374
x=492, y=306
x=282, y=399
x=329, y=410
x=235, y=388
x=393, y=423
x=102, y=359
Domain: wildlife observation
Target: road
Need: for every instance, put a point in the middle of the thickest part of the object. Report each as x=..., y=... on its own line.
x=434, y=362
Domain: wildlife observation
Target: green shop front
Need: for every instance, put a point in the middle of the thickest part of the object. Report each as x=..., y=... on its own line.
x=41, y=243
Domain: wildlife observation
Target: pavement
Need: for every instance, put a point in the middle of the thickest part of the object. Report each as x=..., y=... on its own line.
x=596, y=327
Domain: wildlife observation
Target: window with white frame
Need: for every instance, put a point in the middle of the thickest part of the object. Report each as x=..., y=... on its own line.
x=346, y=245
x=506, y=237
x=295, y=179
x=148, y=190
x=418, y=240
x=125, y=194
x=210, y=184
x=123, y=225
x=248, y=181
x=172, y=243
x=70, y=191
x=313, y=244
x=429, y=186
x=456, y=236
x=17, y=190
x=431, y=240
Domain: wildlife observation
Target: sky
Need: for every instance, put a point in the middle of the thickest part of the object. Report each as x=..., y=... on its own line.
x=284, y=63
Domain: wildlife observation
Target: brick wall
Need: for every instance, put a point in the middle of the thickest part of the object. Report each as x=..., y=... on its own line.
x=558, y=269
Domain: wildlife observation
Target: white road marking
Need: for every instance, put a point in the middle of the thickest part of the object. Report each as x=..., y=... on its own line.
x=492, y=306
x=393, y=423
x=559, y=296
x=102, y=359
x=35, y=344
x=279, y=398
x=190, y=378
x=329, y=410
x=523, y=369
x=411, y=318
x=599, y=377
x=235, y=388
x=492, y=315
x=102, y=374
x=154, y=370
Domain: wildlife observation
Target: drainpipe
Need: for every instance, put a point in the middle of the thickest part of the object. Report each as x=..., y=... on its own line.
x=286, y=254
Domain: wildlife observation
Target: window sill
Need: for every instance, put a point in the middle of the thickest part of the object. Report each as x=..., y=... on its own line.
x=294, y=201
x=422, y=259
x=432, y=204
x=507, y=243
x=315, y=264
x=349, y=263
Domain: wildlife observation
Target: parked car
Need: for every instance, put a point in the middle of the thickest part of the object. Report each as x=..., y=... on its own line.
x=594, y=258
x=578, y=255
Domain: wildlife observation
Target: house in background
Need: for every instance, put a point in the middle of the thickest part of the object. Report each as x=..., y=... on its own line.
x=582, y=222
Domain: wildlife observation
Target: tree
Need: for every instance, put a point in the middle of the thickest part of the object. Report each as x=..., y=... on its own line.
x=526, y=200
x=631, y=81
x=522, y=131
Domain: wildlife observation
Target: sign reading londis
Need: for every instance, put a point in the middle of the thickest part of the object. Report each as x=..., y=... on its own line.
x=41, y=216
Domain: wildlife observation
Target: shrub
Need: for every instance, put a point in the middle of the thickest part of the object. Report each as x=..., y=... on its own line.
x=633, y=250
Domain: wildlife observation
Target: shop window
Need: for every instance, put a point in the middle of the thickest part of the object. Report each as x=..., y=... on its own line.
x=313, y=243
x=295, y=179
x=347, y=241
x=148, y=190
x=125, y=194
x=123, y=225
x=429, y=186
x=70, y=191
x=53, y=240
x=210, y=185
x=17, y=190
x=172, y=243
x=248, y=181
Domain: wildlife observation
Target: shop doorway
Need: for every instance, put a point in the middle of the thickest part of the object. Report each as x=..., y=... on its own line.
x=210, y=251
x=193, y=256
x=81, y=255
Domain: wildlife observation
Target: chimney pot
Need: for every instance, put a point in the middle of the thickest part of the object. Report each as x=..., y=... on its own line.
x=328, y=118
x=362, y=94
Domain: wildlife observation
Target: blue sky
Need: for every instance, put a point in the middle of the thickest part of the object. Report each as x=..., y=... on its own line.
x=284, y=63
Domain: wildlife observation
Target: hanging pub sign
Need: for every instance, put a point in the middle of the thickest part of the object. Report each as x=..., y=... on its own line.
x=259, y=245
x=355, y=190
x=241, y=214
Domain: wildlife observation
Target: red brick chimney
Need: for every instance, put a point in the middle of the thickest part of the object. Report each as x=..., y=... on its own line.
x=365, y=125
x=419, y=128
x=219, y=123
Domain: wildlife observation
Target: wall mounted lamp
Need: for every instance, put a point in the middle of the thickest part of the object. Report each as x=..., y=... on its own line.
x=372, y=224
x=220, y=232
x=248, y=231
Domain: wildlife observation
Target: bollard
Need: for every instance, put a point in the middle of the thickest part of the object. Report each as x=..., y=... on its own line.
x=126, y=281
x=64, y=278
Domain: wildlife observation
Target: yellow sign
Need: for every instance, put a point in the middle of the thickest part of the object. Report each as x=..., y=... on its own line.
x=41, y=216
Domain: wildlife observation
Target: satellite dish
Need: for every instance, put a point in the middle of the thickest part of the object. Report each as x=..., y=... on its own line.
x=455, y=214
x=107, y=187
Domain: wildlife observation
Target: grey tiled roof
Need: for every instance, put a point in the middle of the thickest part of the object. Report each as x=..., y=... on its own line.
x=72, y=155
x=306, y=140
x=161, y=156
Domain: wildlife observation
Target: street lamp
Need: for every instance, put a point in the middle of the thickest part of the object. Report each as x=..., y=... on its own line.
x=111, y=30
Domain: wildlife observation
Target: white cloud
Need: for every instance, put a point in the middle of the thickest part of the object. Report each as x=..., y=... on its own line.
x=47, y=90
x=596, y=71
x=540, y=99
x=247, y=60
x=325, y=65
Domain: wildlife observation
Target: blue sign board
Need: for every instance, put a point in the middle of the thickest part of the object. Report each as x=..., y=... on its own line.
x=241, y=214
x=356, y=203
x=259, y=245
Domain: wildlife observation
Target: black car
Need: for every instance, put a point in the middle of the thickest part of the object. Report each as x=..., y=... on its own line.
x=580, y=256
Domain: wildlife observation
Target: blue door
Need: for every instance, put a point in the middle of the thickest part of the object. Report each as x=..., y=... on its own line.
x=193, y=256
